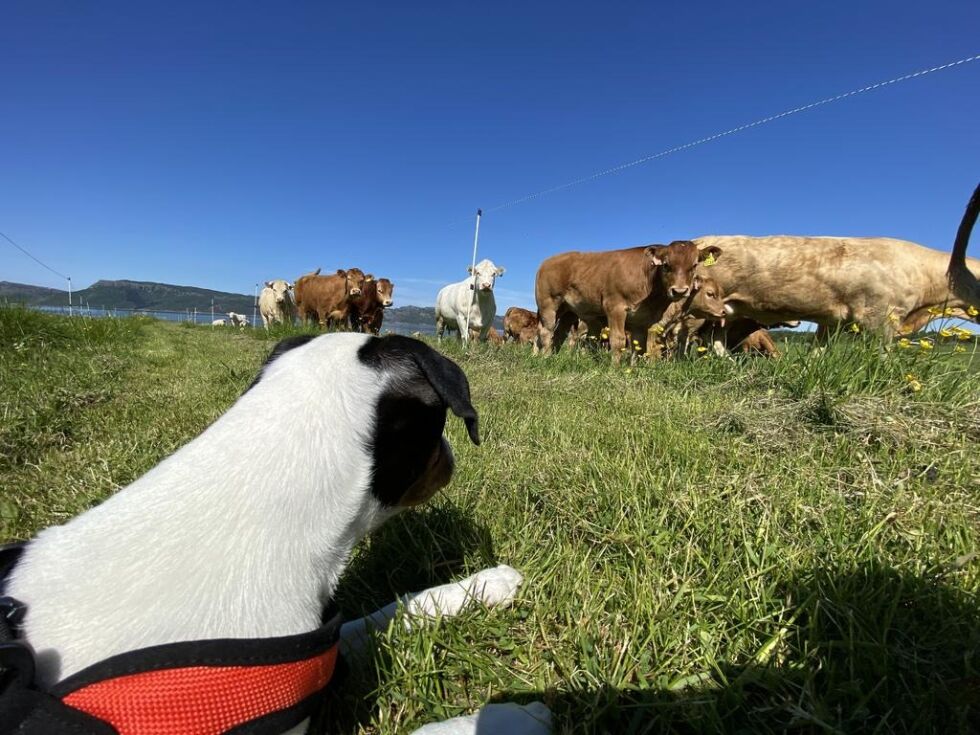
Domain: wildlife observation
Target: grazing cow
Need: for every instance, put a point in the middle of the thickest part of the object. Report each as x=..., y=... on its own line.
x=473, y=296
x=237, y=320
x=628, y=289
x=327, y=298
x=683, y=318
x=276, y=303
x=219, y=323
x=892, y=286
x=518, y=322
x=367, y=311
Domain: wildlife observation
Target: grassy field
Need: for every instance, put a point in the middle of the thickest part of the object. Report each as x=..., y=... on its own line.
x=708, y=545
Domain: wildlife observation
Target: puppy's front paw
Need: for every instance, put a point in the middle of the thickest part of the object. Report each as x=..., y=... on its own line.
x=496, y=719
x=493, y=587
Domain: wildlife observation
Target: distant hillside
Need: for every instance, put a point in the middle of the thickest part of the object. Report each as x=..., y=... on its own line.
x=149, y=296
x=144, y=295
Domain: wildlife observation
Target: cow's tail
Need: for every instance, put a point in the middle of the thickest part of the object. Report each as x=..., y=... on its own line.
x=962, y=282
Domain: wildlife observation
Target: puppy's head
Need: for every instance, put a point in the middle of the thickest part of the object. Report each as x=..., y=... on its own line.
x=382, y=405
x=412, y=459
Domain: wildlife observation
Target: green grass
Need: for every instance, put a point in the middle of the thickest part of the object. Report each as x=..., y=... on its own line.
x=708, y=545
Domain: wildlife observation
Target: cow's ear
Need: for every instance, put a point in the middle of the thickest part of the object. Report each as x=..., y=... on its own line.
x=712, y=251
x=342, y=273
x=654, y=254
x=469, y=269
x=500, y=271
x=289, y=286
x=268, y=284
x=368, y=278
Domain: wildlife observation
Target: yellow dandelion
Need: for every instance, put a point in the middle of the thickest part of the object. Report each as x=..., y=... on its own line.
x=949, y=311
x=629, y=371
x=636, y=341
x=935, y=311
x=945, y=333
x=925, y=344
x=904, y=343
x=913, y=382
x=702, y=348
x=637, y=348
x=963, y=336
x=658, y=329
x=972, y=311
x=959, y=348
x=855, y=328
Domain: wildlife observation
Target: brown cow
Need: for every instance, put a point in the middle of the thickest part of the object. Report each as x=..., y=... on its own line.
x=519, y=322
x=367, y=311
x=882, y=284
x=328, y=297
x=628, y=288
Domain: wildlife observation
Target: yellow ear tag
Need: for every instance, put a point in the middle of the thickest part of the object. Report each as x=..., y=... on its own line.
x=709, y=261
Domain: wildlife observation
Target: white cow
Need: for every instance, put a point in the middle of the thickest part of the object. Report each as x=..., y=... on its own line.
x=219, y=322
x=474, y=296
x=237, y=320
x=276, y=304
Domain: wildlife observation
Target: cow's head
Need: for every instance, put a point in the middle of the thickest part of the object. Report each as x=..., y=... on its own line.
x=674, y=266
x=484, y=275
x=355, y=280
x=707, y=301
x=280, y=289
x=386, y=292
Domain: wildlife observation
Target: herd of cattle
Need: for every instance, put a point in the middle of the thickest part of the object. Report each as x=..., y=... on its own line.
x=655, y=300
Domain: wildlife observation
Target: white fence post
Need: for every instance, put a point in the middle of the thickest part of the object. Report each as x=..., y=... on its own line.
x=476, y=239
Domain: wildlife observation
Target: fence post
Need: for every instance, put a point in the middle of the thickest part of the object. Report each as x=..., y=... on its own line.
x=476, y=239
x=255, y=304
x=69, y=296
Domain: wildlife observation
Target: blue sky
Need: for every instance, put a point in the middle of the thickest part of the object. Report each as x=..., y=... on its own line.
x=220, y=144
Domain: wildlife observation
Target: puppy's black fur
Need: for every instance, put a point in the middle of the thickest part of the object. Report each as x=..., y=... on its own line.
x=411, y=413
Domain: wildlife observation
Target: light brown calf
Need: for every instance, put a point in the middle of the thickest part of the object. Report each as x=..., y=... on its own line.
x=628, y=289
x=518, y=323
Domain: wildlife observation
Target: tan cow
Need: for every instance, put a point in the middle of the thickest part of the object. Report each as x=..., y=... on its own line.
x=328, y=297
x=628, y=289
x=892, y=286
x=684, y=318
x=519, y=324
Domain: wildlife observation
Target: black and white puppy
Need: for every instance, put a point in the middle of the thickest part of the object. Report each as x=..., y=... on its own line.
x=245, y=531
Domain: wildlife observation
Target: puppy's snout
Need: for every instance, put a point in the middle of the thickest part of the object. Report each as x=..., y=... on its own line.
x=437, y=474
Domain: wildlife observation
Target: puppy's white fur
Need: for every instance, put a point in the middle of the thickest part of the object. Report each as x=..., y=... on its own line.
x=243, y=532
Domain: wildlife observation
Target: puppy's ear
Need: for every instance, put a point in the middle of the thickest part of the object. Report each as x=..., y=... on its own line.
x=450, y=383
x=445, y=376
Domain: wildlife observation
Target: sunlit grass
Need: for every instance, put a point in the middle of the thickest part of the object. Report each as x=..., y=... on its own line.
x=709, y=545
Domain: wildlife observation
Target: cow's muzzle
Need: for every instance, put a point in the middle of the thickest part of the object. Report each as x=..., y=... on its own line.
x=486, y=286
x=676, y=294
x=355, y=292
x=387, y=302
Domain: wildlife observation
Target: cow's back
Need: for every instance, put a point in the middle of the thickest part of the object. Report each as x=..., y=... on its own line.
x=819, y=278
x=585, y=280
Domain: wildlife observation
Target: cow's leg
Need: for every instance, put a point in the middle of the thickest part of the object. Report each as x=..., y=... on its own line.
x=565, y=322
x=616, y=317
x=548, y=315
x=440, y=327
